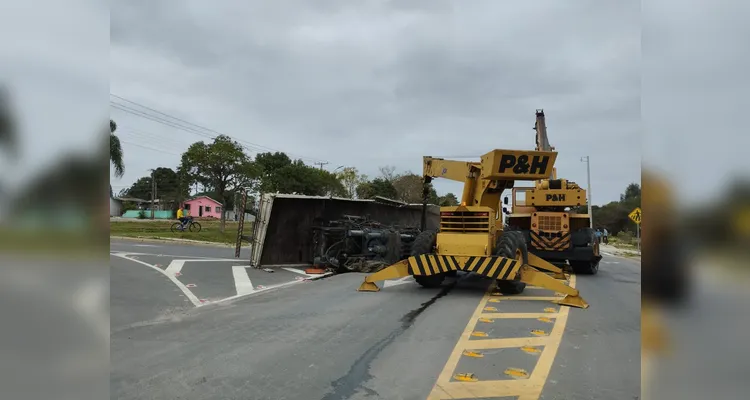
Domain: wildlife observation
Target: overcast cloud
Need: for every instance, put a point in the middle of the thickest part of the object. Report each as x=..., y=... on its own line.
x=373, y=83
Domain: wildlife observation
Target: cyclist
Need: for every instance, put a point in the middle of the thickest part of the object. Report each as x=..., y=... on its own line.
x=181, y=216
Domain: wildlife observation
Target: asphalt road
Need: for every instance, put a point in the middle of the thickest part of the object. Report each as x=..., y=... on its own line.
x=321, y=339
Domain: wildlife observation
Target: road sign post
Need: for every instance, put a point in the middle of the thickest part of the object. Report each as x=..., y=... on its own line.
x=636, y=216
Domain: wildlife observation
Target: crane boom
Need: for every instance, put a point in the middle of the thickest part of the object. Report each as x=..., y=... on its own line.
x=542, y=140
x=485, y=181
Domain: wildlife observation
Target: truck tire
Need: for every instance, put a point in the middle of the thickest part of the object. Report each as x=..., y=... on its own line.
x=587, y=267
x=511, y=245
x=424, y=243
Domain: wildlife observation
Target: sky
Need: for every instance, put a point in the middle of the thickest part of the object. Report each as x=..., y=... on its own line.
x=375, y=83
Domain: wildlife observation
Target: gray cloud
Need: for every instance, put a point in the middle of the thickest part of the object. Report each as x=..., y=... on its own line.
x=373, y=83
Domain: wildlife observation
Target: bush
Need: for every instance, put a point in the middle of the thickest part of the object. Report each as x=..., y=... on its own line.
x=625, y=237
x=142, y=214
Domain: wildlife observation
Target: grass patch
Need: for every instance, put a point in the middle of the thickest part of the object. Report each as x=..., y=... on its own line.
x=622, y=243
x=160, y=229
x=52, y=241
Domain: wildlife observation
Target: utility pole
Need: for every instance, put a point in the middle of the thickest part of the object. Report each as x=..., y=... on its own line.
x=321, y=164
x=588, y=178
x=153, y=192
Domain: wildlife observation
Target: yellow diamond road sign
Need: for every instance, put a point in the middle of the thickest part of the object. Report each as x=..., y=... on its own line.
x=635, y=215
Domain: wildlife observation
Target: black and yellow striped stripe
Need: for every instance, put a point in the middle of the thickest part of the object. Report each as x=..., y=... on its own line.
x=491, y=267
x=430, y=264
x=561, y=243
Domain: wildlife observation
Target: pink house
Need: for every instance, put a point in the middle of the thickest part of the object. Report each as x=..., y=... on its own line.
x=203, y=206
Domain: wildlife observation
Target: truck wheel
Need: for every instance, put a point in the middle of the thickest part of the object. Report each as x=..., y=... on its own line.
x=585, y=267
x=511, y=245
x=424, y=243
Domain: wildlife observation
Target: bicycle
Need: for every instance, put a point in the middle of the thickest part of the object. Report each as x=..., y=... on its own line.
x=189, y=224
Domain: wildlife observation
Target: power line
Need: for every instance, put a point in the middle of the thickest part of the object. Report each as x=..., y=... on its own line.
x=186, y=125
x=149, y=148
x=254, y=148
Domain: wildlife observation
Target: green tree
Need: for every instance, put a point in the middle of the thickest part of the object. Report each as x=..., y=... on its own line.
x=269, y=164
x=304, y=179
x=221, y=166
x=448, y=200
x=633, y=191
x=351, y=178
x=115, y=153
x=8, y=131
x=376, y=187
x=278, y=173
x=168, y=186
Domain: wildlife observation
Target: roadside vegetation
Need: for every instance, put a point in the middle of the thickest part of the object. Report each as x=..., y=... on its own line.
x=160, y=229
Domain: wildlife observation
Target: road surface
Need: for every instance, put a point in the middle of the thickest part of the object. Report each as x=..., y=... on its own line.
x=242, y=333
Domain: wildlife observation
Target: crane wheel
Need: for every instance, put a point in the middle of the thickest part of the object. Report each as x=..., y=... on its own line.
x=586, y=267
x=511, y=244
x=424, y=243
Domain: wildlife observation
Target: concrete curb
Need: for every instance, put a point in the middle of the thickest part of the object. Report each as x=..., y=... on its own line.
x=177, y=241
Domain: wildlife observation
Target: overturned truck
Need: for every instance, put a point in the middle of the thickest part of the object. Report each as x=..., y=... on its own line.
x=335, y=233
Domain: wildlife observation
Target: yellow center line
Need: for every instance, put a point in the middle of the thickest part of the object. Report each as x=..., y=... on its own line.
x=526, y=389
x=529, y=298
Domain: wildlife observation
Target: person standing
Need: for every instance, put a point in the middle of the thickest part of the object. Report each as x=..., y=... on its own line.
x=605, y=234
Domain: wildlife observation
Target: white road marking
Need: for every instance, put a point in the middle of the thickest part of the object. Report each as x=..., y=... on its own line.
x=146, y=245
x=259, y=290
x=242, y=280
x=296, y=271
x=174, y=280
x=609, y=254
x=396, y=282
x=180, y=256
x=175, y=267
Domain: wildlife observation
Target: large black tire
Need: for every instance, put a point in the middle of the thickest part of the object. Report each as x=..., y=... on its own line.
x=424, y=243
x=587, y=267
x=511, y=244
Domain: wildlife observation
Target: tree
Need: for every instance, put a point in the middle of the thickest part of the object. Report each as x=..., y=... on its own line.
x=388, y=173
x=115, y=153
x=409, y=188
x=377, y=187
x=8, y=132
x=303, y=179
x=351, y=178
x=448, y=200
x=633, y=191
x=278, y=173
x=221, y=166
x=168, y=186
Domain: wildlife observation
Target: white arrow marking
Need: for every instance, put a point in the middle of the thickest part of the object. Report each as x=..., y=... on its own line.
x=396, y=282
x=242, y=280
x=179, y=284
x=175, y=267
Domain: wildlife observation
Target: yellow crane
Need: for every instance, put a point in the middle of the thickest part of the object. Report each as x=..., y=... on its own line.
x=547, y=219
x=471, y=236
